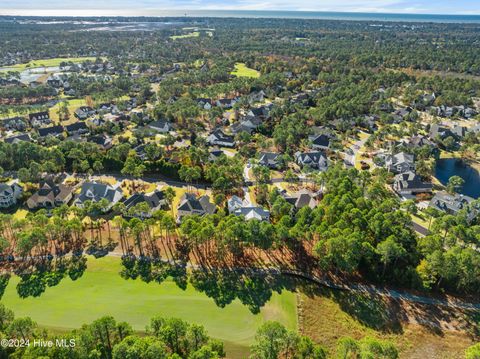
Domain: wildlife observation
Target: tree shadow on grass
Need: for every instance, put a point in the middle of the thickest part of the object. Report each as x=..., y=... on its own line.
x=4, y=280
x=253, y=288
x=389, y=315
x=35, y=280
x=373, y=311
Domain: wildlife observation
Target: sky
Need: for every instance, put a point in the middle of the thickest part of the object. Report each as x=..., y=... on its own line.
x=111, y=7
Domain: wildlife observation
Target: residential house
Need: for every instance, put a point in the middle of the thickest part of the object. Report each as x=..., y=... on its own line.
x=54, y=82
x=50, y=195
x=253, y=212
x=84, y=112
x=95, y=192
x=9, y=194
x=155, y=201
x=106, y=108
x=70, y=92
x=302, y=198
x=424, y=101
x=460, y=111
x=39, y=119
x=369, y=122
x=256, y=96
x=97, y=122
x=269, y=159
x=215, y=155
x=418, y=141
x=219, y=138
x=304, y=99
x=238, y=207
x=320, y=142
x=17, y=139
x=409, y=184
x=161, y=126
x=262, y=112
x=103, y=141
x=54, y=131
x=438, y=131
x=453, y=203
x=459, y=131
x=191, y=205
x=14, y=124
x=399, y=163
x=248, y=124
x=204, y=103
x=226, y=102
x=401, y=114
x=317, y=160
x=77, y=128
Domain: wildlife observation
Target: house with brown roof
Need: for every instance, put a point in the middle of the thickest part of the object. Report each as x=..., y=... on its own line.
x=50, y=195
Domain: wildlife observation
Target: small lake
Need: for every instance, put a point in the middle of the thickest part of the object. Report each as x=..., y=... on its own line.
x=448, y=167
x=33, y=73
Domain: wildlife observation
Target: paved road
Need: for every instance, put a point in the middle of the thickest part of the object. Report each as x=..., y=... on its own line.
x=420, y=229
x=350, y=159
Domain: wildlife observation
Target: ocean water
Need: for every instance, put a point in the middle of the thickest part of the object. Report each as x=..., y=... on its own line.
x=326, y=15
x=354, y=16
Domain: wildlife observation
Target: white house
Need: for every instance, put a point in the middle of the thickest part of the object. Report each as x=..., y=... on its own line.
x=9, y=194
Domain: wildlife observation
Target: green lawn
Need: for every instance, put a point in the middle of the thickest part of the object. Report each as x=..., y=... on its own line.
x=47, y=63
x=73, y=104
x=241, y=70
x=101, y=291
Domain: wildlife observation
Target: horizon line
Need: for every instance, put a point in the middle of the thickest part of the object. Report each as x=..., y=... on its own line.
x=116, y=13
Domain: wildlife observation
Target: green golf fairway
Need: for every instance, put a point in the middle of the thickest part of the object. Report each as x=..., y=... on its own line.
x=101, y=291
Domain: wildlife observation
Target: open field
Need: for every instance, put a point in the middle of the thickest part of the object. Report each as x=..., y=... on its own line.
x=241, y=70
x=72, y=104
x=191, y=34
x=46, y=63
x=101, y=291
x=418, y=332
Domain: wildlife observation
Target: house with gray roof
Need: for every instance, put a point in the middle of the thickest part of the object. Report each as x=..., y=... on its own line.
x=204, y=103
x=320, y=141
x=39, y=119
x=269, y=159
x=399, y=163
x=9, y=194
x=77, y=128
x=155, y=201
x=262, y=111
x=84, y=112
x=418, y=141
x=95, y=192
x=438, y=131
x=161, y=126
x=248, y=124
x=238, y=207
x=14, y=124
x=17, y=139
x=192, y=205
x=453, y=203
x=53, y=131
x=409, y=183
x=316, y=160
x=302, y=198
x=219, y=138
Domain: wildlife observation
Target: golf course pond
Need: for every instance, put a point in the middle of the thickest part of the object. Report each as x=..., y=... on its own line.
x=448, y=167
